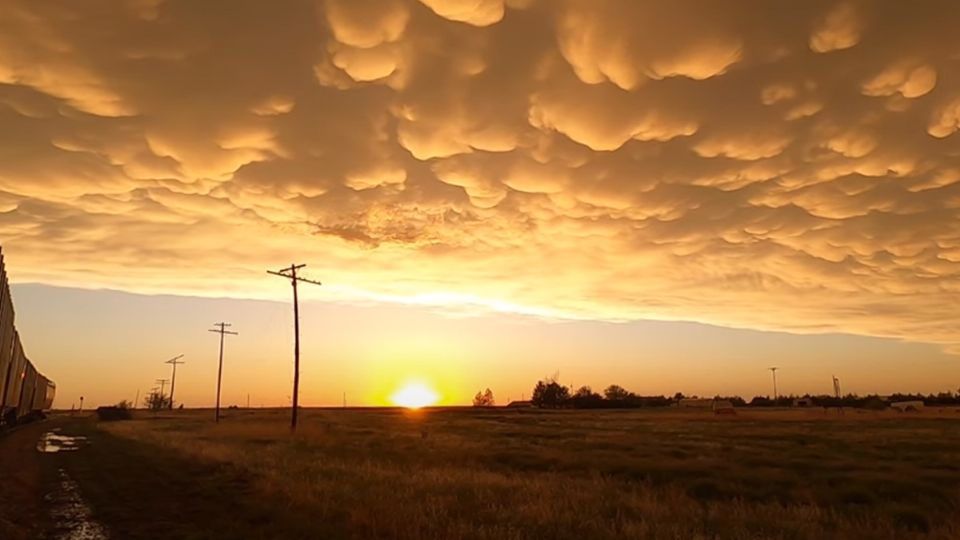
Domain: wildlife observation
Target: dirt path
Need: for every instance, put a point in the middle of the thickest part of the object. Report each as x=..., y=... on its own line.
x=22, y=487
x=94, y=486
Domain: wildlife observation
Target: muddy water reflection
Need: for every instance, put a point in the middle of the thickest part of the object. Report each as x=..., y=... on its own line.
x=70, y=514
x=52, y=442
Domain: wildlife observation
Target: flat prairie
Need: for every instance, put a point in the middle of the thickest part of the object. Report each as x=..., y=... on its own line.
x=526, y=474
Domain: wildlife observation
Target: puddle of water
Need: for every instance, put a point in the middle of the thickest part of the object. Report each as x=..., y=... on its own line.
x=52, y=442
x=71, y=515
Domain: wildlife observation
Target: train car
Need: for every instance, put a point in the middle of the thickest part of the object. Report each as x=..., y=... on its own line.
x=6, y=339
x=43, y=397
x=15, y=378
x=15, y=381
x=27, y=389
x=24, y=391
x=6, y=372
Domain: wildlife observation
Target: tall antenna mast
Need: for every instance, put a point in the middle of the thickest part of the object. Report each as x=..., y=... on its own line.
x=773, y=370
x=222, y=330
x=291, y=274
x=173, y=380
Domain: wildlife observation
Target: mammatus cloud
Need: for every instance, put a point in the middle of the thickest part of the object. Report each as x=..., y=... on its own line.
x=737, y=164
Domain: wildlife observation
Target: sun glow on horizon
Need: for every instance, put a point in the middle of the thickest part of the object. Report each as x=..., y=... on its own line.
x=415, y=395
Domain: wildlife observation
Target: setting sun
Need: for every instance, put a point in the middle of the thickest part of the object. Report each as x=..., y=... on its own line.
x=414, y=395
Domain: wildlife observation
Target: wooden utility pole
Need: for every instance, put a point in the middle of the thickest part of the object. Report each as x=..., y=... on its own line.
x=291, y=274
x=773, y=370
x=173, y=379
x=163, y=386
x=222, y=330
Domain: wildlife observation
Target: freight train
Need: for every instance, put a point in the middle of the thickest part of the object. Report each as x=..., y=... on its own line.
x=24, y=392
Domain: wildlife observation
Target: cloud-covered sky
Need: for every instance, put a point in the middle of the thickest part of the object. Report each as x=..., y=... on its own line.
x=752, y=164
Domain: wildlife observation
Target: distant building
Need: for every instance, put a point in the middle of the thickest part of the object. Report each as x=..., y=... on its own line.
x=722, y=406
x=695, y=403
x=519, y=404
x=803, y=402
x=907, y=406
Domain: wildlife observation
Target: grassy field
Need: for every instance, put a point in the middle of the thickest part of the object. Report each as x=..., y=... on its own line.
x=463, y=473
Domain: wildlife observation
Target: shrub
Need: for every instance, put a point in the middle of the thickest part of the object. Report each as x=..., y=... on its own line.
x=114, y=413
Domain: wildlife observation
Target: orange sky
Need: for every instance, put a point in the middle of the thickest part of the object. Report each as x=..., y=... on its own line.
x=106, y=345
x=749, y=165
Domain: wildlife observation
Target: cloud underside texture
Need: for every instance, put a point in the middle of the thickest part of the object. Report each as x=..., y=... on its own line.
x=751, y=164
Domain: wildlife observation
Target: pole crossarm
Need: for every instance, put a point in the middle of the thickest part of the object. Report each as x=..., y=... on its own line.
x=223, y=330
x=291, y=274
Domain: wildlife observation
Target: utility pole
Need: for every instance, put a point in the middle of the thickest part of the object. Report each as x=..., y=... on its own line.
x=136, y=400
x=837, y=394
x=222, y=330
x=291, y=274
x=173, y=381
x=163, y=386
x=773, y=370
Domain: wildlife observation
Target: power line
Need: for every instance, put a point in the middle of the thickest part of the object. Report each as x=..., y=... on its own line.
x=222, y=330
x=173, y=381
x=291, y=274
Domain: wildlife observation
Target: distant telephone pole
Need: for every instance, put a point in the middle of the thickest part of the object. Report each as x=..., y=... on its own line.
x=838, y=394
x=291, y=274
x=222, y=330
x=163, y=386
x=173, y=380
x=773, y=370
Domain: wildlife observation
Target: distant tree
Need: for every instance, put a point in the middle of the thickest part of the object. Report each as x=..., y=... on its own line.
x=124, y=405
x=550, y=394
x=484, y=399
x=679, y=396
x=761, y=401
x=616, y=393
x=585, y=398
x=584, y=392
x=156, y=401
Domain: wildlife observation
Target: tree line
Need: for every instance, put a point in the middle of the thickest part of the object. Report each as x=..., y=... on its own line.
x=550, y=394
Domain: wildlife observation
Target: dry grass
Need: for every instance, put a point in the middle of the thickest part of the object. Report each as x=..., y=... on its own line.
x=591, y=474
